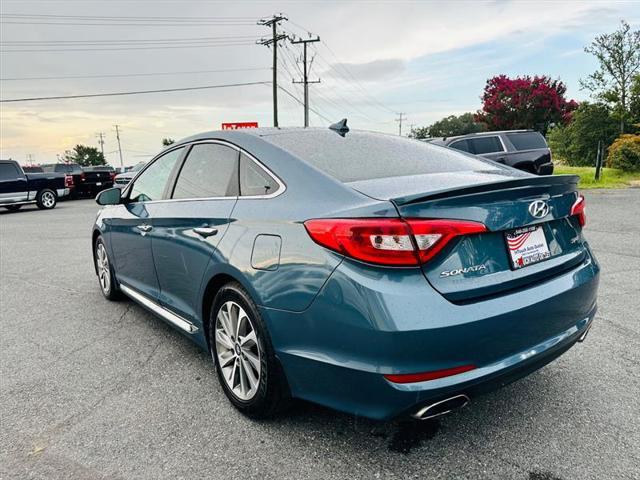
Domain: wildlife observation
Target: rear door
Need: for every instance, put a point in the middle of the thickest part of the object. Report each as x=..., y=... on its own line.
x=131, y=225
x=13, y=183
x=188, y=228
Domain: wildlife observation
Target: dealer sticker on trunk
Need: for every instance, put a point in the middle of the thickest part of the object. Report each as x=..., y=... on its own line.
x=527, y=246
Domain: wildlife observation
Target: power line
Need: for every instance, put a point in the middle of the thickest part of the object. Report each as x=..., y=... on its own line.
x=91, y=23
x=301, y=103
x=138, y=92
x=127, y=41
x=153, y=47
x=124, y=18
x=123, y=75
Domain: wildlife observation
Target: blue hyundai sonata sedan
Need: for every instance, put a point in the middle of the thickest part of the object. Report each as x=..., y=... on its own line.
x=370, y=273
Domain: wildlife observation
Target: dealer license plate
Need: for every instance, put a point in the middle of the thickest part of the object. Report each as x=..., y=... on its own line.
x=527, y=246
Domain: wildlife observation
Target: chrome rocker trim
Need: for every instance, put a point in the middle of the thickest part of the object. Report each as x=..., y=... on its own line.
x=162, y=312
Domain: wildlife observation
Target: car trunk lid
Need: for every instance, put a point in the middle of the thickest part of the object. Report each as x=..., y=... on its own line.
x=477, y=266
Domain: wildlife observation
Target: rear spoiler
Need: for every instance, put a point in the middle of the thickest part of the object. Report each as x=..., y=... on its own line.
x=510, y=183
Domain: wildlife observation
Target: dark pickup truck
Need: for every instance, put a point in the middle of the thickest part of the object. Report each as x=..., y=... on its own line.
x=86, y=180
x=98, y=178
x=18, y=188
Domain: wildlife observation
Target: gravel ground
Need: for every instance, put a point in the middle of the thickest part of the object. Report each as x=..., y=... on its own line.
x=92, y=389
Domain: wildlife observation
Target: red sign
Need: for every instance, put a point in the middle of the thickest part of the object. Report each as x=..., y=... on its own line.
x=239, y=125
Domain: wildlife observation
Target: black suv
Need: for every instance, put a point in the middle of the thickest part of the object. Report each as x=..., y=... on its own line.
x=522, y=149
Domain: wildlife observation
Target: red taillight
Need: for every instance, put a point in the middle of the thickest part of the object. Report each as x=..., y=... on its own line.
x=388, y=241
x=433, y=375
x=113, y=176
x=578, y=209
x=68, y=181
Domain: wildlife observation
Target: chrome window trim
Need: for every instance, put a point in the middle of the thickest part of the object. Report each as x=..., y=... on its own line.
x=280, y=190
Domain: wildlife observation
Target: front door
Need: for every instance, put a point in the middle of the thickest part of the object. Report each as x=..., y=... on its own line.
x=187, y=229
x=13, y=183
x=132, y=225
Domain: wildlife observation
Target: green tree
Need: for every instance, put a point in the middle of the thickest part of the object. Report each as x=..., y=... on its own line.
x=84, y=155
x=634, y=104
x=450, y=127
x=618, y=54
x=577, y=142
x=167, y=141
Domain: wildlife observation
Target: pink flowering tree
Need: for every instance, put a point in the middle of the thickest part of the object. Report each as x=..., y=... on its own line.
x=525, y=102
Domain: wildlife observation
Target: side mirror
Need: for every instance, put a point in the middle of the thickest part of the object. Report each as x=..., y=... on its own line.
x=110, y=196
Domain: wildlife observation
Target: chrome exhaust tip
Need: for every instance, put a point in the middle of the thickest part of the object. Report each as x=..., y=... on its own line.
x=584, y=335
x=443, y=407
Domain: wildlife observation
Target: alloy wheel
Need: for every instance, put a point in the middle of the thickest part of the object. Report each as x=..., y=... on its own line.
x=104, y=273
x=48, y=199
x=238, y=350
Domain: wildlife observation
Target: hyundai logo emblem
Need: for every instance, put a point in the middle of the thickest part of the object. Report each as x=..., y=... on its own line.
x=539, y=209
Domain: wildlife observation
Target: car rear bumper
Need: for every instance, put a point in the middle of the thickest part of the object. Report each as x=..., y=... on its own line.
x=361, y=327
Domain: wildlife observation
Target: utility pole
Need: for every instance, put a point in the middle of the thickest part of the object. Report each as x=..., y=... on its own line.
x=273, y=22
x=399, y=120
x=119, y=147
x=100, y=136
x=305, y=72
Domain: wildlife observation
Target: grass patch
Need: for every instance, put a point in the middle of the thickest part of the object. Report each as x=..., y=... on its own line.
x=609, y=178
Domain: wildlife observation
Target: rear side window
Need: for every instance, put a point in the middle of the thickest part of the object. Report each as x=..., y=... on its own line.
x=482, y=145
x=366, y=155
x=461, y=145
x=254, y=180
x=210, y=170
x=527, y=140
x=151, y=183
x=8, y=171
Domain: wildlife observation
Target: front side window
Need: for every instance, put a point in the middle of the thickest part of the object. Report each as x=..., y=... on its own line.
x=8, y=171
x=210, y=170
x=150, y=184
x=254, y=181
x=482, y=145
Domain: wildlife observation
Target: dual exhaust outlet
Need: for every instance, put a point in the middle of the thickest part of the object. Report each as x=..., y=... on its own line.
x=443, y=407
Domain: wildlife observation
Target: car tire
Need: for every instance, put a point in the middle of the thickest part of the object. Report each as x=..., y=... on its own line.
x=46, y=199
x=245, y=353
x=13, y=208
x=104, y=270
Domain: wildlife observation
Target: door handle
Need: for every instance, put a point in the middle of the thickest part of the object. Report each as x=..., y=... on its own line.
x=205, y=232
x=144, y=228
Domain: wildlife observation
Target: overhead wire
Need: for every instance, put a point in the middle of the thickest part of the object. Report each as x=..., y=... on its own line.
x=136, y=92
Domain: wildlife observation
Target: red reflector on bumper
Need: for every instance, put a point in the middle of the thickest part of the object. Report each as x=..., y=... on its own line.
x=422, y=377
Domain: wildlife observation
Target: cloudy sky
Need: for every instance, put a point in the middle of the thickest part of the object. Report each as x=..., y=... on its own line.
x=427, y=59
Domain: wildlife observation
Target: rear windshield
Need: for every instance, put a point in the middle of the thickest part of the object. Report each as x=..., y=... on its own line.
x=365, y=155
x=527, y=140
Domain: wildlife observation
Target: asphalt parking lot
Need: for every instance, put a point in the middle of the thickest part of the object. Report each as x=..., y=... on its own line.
x=94, y=390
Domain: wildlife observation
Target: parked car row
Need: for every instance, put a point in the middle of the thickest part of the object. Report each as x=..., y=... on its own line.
x=45, y=184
